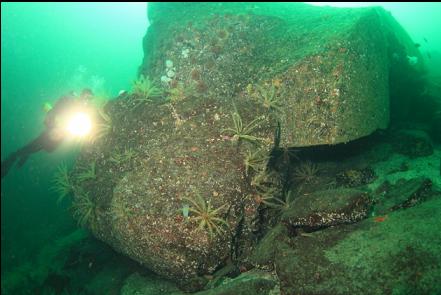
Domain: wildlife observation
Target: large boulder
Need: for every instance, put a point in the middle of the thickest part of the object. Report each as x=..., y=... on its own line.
x=177, y=181
x=325, y=70
x=169, y=195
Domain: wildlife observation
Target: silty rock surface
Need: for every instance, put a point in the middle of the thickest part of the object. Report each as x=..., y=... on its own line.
x=177, y=179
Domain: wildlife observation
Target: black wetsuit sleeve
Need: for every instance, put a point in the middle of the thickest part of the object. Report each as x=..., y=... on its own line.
x=41, y=142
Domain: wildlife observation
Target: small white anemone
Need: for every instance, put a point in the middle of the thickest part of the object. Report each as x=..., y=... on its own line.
x=185, y=52
x=165, y=79
x=170, y=73
x=169, y=64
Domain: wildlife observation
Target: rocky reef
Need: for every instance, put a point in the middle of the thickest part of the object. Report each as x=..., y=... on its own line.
x=211, y=172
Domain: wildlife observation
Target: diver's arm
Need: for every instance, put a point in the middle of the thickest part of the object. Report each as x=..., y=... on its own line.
x=21, y=155
x=8, y=163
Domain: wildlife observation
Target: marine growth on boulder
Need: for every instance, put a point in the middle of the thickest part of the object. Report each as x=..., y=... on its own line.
x=201, y=160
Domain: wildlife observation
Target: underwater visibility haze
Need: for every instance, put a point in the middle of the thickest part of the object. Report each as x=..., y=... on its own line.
x=221, y=148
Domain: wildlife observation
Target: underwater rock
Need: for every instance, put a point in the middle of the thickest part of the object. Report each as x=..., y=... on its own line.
x=148, y=285
x=412, y=143
x=163, y=238
x=398, y=253
x=178, y=178
x=249, y=283
x=263, y=255
x=170, y=190
x=47, y=271
x=355, y=177
x=321, y=72
x=326, y=208
x=404, y=194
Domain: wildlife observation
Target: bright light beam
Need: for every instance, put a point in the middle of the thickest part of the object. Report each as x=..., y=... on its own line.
x=79, y=124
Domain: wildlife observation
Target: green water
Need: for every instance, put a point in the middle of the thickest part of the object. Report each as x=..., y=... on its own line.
x=49, y=49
